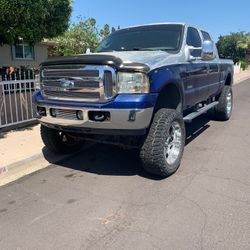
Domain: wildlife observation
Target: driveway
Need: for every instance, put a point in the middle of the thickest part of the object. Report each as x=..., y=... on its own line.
x=101, y=198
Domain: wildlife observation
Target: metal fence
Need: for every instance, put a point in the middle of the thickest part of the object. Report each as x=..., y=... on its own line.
x=16, y=92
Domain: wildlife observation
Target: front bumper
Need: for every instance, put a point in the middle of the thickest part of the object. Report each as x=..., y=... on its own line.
x=134, y=113
x=119, y=119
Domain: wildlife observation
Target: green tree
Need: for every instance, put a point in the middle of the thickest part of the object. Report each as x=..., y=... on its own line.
x=82, y=35
x=78, y=38
x=229, y=46
x=33, y=20
x=244, y=42
x=105, y=31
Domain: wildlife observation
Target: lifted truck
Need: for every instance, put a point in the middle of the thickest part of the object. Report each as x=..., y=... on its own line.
x=138, y=89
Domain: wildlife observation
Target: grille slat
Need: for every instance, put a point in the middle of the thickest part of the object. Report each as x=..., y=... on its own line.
x=70, y=73
x=83, y=95
x=66, y=114
x=78, y=82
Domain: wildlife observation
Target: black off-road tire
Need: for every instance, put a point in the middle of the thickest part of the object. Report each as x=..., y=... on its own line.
x=220, y=112
x=152, y=152
x=53, y=140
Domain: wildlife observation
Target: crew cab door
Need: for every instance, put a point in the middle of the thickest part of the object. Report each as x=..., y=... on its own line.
x=214, y=78
x=196, y=86
x=214, y=69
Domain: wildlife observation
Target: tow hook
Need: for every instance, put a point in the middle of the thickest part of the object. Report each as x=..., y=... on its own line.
x=132, y=116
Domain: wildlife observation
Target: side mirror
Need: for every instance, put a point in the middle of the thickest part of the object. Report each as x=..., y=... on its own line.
x=207, y=52
x=188, y=53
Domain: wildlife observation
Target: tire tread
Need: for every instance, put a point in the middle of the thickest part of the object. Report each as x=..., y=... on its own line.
x=151, y=153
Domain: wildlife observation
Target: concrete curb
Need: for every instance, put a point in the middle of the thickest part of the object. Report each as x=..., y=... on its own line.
x=241, y=80
x=32, y=164
x=27, y=166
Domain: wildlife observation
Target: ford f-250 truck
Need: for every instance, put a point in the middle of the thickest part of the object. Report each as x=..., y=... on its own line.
x=138, y=89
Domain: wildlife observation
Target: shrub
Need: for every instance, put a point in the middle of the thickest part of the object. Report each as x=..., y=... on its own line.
x=243, y=65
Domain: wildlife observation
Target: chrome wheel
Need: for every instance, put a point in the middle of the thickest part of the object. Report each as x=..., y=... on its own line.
x=173, y=143
x=229, y=103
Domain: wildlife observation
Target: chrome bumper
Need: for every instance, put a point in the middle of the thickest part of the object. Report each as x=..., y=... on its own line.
x=119, y=119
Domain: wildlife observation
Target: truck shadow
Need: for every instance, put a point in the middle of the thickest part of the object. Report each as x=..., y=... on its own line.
x=195, y=128
x=110, y=160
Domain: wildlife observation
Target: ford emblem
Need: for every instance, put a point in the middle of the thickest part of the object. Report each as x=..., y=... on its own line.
x=66, y=83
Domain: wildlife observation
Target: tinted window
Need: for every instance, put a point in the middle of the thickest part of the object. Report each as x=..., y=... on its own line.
x=193, y=39
x=154, y=37
x=206, y=36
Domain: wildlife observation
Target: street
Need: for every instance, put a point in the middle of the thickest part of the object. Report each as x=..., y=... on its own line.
x=100, y=198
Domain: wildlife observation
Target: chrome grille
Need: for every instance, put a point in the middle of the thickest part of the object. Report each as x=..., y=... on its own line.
x=89, y=83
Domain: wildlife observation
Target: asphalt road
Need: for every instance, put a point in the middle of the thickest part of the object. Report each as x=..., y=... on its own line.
x=101, y=198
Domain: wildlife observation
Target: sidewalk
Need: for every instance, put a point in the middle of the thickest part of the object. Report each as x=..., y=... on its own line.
x=243, y=75
x=22, y=151
x=20, y=144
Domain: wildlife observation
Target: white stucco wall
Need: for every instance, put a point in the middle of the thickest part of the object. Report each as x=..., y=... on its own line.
x=237, y=68
x=41, y=54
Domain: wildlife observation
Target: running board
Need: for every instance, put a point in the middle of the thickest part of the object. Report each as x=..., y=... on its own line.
x=200, y=111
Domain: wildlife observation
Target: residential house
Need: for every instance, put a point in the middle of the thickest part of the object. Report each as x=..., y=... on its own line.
x=23, y=55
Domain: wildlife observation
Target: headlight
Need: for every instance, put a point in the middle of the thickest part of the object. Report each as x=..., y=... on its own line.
x=132, y=83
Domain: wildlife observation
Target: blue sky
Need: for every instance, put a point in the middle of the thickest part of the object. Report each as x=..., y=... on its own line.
x=216, y=16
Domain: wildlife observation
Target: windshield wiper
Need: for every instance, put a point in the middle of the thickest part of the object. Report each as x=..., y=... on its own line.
x=110, y=50
x=132, y=49
x=137, y=49
x=143, y=49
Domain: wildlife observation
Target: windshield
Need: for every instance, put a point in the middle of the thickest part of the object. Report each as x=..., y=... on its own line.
x=166, y=37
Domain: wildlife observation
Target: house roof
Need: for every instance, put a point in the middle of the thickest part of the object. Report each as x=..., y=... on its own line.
x=47, y=42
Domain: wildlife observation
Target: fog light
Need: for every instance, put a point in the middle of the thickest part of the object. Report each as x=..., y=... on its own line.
x=79, y=115
x=41, y=111
x=53, y=112
x=99, y=116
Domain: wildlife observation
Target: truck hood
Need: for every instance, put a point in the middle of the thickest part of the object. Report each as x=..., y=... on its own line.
x=144, y=60
x=153, y=59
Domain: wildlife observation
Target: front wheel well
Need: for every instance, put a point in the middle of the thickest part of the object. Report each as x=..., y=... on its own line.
x=228, y=80
x=169, y=97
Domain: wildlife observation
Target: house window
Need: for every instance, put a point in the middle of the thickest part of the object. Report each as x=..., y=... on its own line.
x=23, y=52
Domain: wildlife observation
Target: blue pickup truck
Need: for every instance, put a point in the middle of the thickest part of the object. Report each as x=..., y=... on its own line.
x=137, y=89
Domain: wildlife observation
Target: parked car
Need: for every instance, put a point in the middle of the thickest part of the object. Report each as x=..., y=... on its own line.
x=138, y=89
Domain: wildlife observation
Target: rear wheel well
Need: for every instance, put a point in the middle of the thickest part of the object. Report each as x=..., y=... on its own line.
x=169, y=97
